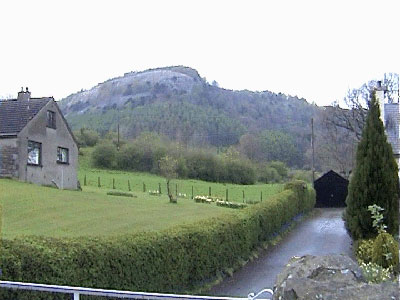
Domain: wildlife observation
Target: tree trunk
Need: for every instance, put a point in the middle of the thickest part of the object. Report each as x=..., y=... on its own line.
x=171, y=198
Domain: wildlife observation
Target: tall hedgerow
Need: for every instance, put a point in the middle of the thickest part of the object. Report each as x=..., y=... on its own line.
x=374, y=180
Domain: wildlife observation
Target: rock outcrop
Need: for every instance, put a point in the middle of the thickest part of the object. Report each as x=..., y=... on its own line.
x=328, y=277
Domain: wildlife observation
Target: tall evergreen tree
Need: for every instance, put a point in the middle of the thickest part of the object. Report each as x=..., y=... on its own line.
x=374, y=181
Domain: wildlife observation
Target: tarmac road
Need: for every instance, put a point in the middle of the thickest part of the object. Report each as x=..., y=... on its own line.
x=321, y=234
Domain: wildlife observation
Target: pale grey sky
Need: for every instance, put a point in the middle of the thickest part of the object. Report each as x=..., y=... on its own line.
x=312, y=49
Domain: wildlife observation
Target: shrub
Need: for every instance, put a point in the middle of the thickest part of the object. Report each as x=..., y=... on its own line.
x=385, y=251
x=374, y=273
x=86, y=137
x=181, y=168
x=174, y=260
x=129, y=158
x=280, y=167
x=269, y=175
x=145, y=153
x=224, y=203
x=304, y=175
x=303, y=194
x=118, y=193
x=104, y=155
x=238, y=172
x=203, y=166
x=364, y=251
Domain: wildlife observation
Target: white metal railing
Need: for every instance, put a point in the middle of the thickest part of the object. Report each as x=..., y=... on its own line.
x=75, y=292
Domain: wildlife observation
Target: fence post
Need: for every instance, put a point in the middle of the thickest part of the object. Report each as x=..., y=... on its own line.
x=75, y=296
x=129, y=186
x=192, y=192
x=261, y=196
x=176, y=189
x=209, y=191
x=227, y=195
x=144, y=187
x=159, y=188
x=113, y=184
x=243, y=196
x=98, y=182
x=84, y=180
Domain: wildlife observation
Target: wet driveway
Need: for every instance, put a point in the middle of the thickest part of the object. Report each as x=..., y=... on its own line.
x=321, y=234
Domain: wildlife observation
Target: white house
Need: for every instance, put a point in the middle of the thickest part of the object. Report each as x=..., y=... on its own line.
x=390, y=115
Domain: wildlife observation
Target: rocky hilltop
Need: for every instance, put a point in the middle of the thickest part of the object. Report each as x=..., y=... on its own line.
x=133, y=87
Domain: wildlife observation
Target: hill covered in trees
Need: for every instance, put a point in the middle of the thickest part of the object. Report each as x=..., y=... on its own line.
x=178, y=103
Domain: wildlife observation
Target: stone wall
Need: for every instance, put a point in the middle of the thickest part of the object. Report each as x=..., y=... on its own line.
x=8, y=158
x=333, y=277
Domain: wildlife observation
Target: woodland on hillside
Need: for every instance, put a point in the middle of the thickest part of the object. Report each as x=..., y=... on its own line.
x=178, y=104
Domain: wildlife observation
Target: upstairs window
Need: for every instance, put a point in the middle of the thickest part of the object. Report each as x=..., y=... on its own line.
x=34, y=153
x=51, y=119
x=62, y=155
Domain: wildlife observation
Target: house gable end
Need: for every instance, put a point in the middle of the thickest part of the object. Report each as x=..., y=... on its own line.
x=65, y=122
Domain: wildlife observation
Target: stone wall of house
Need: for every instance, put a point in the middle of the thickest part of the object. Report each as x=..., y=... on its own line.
x=49, y=172
x=8, y=158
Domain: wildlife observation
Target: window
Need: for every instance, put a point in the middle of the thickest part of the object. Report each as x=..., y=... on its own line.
x=51, y=119
x=34, y=153
x=62, y=155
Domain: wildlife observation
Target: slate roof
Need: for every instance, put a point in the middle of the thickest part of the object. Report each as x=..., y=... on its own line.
x=15, y=114
x=331, y=174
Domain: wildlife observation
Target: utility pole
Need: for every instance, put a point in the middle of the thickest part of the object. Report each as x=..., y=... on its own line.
x=118, y=131
x=118, y=137
x=312, y=146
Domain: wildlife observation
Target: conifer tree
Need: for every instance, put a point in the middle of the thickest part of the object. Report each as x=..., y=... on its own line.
x=374, y=181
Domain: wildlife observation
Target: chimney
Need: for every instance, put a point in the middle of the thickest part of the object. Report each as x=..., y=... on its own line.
x=380, y=96
x=24, y=95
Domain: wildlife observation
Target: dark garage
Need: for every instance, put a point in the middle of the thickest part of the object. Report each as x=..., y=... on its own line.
x=331, y=190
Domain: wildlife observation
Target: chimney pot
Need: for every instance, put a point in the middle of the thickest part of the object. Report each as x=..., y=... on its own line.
x=24, y=95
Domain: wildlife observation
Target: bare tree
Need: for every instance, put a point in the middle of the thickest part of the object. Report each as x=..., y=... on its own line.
x=168, y=168
x=6, y=97
x=391, y=82
x=340, y=128
x=335, y=146
x=353, y=116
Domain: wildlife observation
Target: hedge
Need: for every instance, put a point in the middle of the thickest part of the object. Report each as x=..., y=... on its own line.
x=175, y=260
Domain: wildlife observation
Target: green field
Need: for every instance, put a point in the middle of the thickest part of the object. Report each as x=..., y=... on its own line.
x=152, y=182
x=34, y=210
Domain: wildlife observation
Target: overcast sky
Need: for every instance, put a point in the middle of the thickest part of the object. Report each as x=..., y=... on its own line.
x=312, y=49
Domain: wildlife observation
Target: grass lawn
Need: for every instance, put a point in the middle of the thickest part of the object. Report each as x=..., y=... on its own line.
x=137, y=179
x=33, y=210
